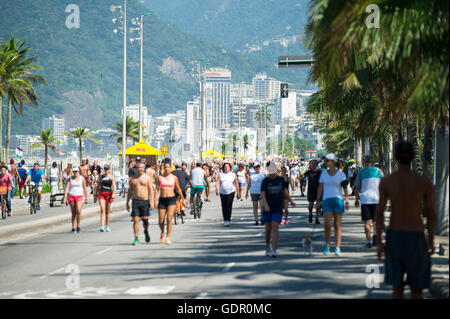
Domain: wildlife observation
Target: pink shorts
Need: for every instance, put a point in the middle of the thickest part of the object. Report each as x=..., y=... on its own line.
x=75, y=199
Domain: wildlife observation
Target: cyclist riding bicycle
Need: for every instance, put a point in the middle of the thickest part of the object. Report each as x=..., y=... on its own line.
x=36, y=179
x=197, y=181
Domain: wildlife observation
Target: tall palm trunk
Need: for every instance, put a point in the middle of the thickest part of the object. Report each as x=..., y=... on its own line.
x=45, y=159
x=81, y=149
x=8, y=130
x=428, y=151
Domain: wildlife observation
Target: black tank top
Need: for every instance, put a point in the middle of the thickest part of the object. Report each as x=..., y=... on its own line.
x=106, y=184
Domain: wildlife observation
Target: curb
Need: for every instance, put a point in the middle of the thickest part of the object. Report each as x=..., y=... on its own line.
x=10, y=230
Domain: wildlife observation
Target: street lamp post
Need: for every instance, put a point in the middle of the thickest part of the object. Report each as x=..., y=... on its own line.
x=140, y=23
x=123, y=19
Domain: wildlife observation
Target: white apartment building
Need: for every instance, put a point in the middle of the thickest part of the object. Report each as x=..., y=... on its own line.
x=133, y=112
x=265, y=88
x=57, y=126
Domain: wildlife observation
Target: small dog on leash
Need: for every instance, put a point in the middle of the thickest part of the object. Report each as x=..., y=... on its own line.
x=307, y=244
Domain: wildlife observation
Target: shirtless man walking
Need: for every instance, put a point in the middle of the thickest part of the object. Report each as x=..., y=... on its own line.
x=141, y=191
x=151, y=171
x=407, y=249
x=84, y=171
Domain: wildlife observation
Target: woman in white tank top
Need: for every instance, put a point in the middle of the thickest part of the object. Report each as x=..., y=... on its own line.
x=75, y=190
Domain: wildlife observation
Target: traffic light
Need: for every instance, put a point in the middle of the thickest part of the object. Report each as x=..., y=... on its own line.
x=295, y=61
x=284, y=90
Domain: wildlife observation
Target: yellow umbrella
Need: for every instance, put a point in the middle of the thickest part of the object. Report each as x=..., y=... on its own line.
x=211, y=153
x=141, y=148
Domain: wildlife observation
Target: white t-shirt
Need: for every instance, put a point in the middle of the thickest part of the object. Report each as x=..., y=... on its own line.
x=227, y=183
x=76, y=187
x=332, y=185
x=255, y=183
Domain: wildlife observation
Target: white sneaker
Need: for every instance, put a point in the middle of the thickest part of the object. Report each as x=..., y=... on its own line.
x=268, y=252
x=273, y=253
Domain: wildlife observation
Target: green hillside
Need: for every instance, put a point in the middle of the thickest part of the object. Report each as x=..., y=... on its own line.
x=233, y=23
x=84, y=66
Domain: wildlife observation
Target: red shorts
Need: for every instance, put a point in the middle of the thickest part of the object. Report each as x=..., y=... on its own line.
x=21, y=184
x=75, y=199
x=106, y=196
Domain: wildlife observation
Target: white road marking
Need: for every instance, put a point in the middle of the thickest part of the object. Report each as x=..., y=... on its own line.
x=228, y=267
x=259, y=234
x=103, y=251
x=142, y=291
x=52, y=273
x=202, y=295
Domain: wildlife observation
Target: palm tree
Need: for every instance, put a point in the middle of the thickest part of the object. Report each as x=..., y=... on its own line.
x=132, y=130
x=17, y=80
x=263, y=115
x=245, y=144
x=81, y=134
x=49, y=141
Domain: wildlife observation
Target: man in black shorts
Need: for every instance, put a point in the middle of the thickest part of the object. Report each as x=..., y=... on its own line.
x=407, y=249
x=313, y=176
x=182, y=179
x=141, y=191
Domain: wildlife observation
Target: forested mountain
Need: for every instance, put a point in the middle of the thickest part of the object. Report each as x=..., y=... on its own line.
x=83, y=66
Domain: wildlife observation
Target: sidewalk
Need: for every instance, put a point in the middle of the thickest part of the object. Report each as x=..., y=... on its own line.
x=22, y=223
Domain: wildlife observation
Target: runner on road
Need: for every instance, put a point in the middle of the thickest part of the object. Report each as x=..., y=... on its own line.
x=366, y=187
x=12, y=168
x=274, y=190
x=302, y=170
x=6, y=180
x=141, y=191
x=105, y=190
x=22, y=178
x=407, y=250
x=167, y=184
x=313, y=177
x=84, y=170
x=330, y=192
x=75, y=189
x=285, y=199
x=242, y=180
x=182, y=180
x=254, y=186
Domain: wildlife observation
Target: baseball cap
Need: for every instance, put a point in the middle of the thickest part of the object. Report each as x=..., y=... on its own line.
x=272, y=168
x=331, y=157
x=11, y=161
x=20, y=164
x=256, y=164
x=75, y=169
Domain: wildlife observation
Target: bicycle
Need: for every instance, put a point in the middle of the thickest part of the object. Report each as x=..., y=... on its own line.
x=3, y=199
x=124, y=188
x=33, y=197
x=197, y=204
x=178, y=214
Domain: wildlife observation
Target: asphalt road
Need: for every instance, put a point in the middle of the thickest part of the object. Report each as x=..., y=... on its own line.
x=206, y=260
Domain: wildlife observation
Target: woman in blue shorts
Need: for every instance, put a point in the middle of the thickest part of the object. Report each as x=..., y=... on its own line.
x=330, y=186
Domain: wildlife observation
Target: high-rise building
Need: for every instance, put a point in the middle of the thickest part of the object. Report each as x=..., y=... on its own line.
x=57, y=126
x=217, y=97
x=192, y=126
x=265, y=88
x=133, y=112
x=241, y=91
